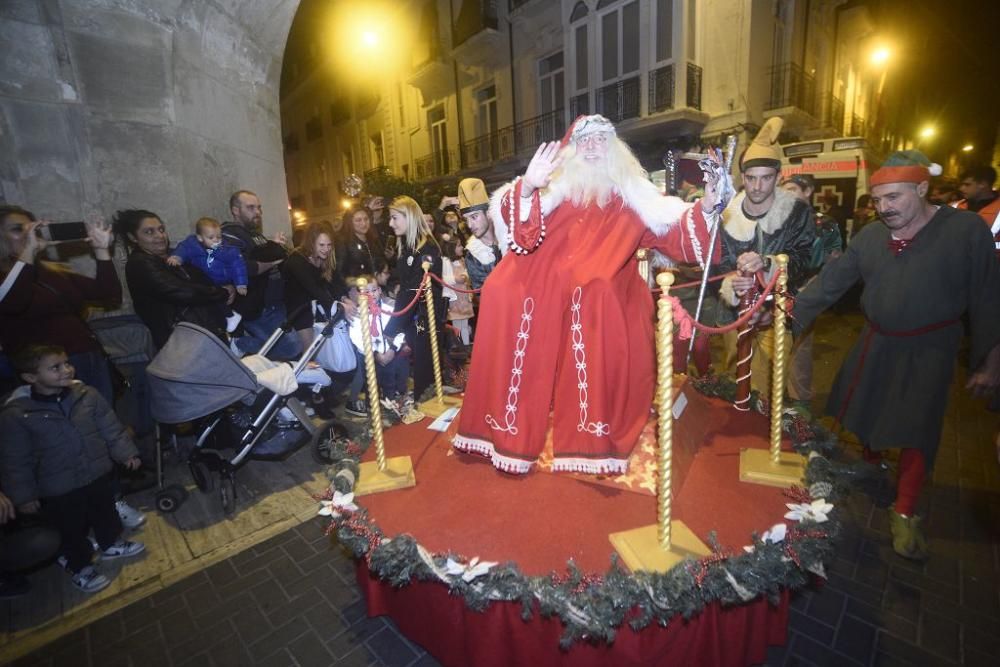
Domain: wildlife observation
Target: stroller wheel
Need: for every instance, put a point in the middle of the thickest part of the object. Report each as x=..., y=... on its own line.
x=227, y=494
x=170, y=498
x=201, y=475
x=323, y=442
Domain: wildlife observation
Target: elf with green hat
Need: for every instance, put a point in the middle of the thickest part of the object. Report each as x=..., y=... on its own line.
x=923, y=269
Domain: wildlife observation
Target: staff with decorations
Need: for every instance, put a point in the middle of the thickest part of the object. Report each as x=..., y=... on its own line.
x=922, y=269
x=565, y=319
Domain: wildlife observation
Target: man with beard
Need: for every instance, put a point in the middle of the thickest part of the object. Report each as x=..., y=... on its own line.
x=482, y=251
x=761, y=222
x=263, y=307
x=566, y=321
x=922, y=270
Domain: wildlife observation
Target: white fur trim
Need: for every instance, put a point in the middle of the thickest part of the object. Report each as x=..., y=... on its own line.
x=482, y=252
x=741, y=228
x=484, y=448
x=608, y=466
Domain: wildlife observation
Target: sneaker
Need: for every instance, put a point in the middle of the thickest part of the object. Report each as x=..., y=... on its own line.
x=130, y=516
x=233, y=321
x=357, y=408
x=286, y=415
x=123, y=549
x=90, y=580
x=13, y=585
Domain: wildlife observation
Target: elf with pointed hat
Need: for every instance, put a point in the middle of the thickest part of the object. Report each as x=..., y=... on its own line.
x=565, y=333
x=923, y=269
x=482, y=250
x=761, y=222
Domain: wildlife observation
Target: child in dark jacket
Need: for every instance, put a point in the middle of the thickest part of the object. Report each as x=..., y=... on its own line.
x=60, y=437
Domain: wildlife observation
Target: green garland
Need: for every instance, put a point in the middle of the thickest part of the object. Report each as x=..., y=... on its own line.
x=593, y=607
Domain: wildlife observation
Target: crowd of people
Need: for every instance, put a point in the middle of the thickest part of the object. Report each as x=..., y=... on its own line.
x=567, y=232
x=66, y=451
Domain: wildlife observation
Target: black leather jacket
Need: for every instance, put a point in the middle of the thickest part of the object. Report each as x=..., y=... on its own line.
x=164, y=295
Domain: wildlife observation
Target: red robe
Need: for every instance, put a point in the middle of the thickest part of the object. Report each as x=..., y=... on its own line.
x=567, y=330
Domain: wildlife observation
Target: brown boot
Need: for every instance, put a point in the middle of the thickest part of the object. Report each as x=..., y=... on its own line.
x=907, y=539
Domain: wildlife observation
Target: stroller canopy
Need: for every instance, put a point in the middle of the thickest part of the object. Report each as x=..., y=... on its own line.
x=196, y=374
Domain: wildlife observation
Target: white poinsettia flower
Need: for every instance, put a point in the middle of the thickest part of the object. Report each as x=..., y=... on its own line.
x=341, y=502
x=468, y=572
x=816, y=511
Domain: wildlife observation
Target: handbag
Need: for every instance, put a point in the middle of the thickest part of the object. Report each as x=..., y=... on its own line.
x=336, y=354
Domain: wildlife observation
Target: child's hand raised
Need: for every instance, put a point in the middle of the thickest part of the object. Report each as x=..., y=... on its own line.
x=241, y=290
x=133, y=463
x=173, y=260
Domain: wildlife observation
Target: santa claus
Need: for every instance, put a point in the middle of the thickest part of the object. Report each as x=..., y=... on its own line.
x=566, y=323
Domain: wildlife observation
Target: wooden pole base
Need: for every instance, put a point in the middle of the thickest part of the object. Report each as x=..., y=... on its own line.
x=398, y=474
x=433, y=407
x=756, y=467
x=640, y=548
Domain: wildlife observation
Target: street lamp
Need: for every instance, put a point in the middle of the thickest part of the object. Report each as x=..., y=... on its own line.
x=369, y=38
x=880, y=56
x=927, y=132
x=967, y=148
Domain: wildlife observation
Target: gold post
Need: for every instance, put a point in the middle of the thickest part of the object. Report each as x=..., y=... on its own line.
x=432, y=331
x=774, y=467
x=664, y=382
x=374, y=406
x=778, y=362
x=437, y=405
x=642, y=256
x=658, y=547
x=384, y=474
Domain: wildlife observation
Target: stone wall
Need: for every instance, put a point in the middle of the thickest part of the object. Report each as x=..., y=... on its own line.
x=168, y=105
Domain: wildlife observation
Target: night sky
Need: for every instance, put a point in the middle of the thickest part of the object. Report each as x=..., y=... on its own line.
x=945, y=70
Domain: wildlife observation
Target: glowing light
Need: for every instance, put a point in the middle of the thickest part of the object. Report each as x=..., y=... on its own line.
x=345, y=204
x=369, y=38
x=299, y=216
x=967, y=148
x=881, y=55
x=927, y=132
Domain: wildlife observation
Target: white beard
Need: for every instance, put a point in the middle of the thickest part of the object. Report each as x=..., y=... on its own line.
x=585, y=183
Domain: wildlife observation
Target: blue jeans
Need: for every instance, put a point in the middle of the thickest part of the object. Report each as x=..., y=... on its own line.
x=289, y=346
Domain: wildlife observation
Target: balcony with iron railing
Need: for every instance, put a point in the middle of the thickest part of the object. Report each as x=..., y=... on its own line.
x=513, y=140
x=579, y=105
x=694, y=86
x=620, y=100
x=833, y=114
x=791, y=86
x=661, y=89
x=475, y=37
x=435, y=165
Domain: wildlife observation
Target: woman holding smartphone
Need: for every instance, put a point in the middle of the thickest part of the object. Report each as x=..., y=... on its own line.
x=41, y=302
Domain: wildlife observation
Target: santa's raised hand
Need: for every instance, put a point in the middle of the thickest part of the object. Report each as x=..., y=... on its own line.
x=544, y=162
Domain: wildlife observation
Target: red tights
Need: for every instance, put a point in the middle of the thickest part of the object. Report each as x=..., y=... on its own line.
x=912, y=471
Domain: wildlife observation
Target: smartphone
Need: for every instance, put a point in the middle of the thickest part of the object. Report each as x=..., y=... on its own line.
x=63, y=231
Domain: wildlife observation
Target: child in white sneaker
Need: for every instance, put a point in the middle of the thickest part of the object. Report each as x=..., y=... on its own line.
x=60, y=437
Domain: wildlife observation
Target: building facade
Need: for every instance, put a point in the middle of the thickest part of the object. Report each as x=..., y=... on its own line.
x=486, y=81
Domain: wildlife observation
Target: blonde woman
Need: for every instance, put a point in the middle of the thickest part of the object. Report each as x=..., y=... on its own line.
x=415, y=244
x=310, y=275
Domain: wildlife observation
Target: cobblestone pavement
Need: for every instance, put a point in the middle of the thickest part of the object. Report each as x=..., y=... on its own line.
x=293, y=601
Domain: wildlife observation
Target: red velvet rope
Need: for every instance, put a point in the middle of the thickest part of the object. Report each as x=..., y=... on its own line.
x=743, y=319
x=450, y=286
x=420, y=290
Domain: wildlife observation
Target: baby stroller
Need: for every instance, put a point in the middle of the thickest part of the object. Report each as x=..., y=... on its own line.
x=197, y=378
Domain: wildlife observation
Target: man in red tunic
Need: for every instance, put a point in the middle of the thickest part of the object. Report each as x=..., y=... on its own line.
x=565, y=325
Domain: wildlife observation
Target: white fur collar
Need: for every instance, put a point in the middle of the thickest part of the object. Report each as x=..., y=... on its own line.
x=482, y=252
x=741, y=228
x=658, y=212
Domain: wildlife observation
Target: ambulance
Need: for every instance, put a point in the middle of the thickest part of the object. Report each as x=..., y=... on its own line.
x=841, y=166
